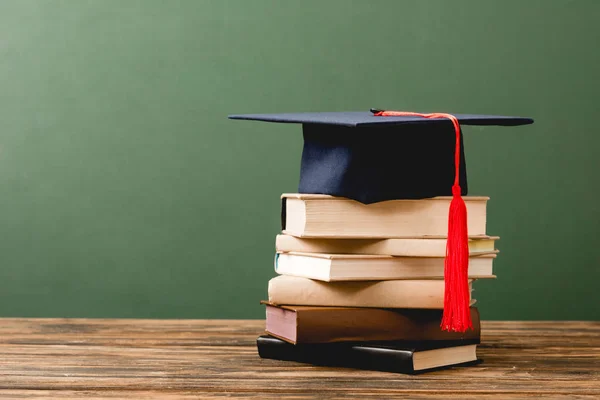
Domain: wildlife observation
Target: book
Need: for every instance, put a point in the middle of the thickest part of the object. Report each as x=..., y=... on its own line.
x=478, y=245
x=379, y=294
x=361, y=267
x=401, y=357
x=311, y=324
x=321, y=216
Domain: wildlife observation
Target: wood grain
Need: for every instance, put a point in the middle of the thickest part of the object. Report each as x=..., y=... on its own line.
x=189, y=359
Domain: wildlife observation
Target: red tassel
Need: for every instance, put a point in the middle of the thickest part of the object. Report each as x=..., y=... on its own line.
x=457, y=316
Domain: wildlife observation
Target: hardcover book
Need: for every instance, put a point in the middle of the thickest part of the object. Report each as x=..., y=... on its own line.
x=378, y=294
x=362, y=267
x=321, y=216
x=478, y=245
x=312, y=324
x=401, y=357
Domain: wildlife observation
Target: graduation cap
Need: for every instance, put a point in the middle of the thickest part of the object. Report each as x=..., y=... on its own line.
x=377, y=155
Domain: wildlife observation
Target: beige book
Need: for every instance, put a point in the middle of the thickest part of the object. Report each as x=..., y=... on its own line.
x=359, y=267
x=321, y=216
x=429, y=294
x=478, y=245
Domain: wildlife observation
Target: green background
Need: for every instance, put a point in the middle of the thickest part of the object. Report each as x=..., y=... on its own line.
x=125, y=191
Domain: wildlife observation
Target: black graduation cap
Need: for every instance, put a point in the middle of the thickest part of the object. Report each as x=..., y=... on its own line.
x=372, y=158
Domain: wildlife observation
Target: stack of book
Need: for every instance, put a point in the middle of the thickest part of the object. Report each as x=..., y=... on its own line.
x=363, y=285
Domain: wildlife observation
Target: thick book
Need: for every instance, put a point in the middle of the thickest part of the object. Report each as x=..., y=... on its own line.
x=311, y=324
x=400, y=357
x=321, y=216
x=362, y=267
x=423, y=247
x=294, y=290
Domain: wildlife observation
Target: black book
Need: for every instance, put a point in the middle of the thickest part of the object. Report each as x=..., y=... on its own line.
x=402, y=357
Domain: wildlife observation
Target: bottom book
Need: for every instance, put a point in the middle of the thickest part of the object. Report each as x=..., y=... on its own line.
x=401, y=357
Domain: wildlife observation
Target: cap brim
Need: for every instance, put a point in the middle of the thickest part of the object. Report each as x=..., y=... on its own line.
x=366, y=118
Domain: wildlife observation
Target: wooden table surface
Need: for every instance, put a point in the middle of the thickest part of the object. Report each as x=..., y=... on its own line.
x=189, y=359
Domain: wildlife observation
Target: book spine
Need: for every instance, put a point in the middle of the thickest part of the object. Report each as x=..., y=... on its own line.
x=277, y=349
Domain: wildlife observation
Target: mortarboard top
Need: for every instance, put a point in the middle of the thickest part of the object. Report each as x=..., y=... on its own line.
x=370, y=158
x=365, y=118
